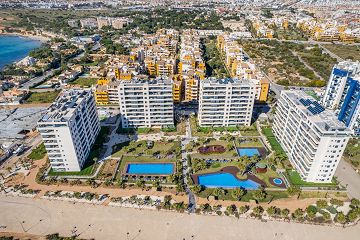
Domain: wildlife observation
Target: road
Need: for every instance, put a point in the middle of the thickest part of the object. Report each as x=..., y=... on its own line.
x=184, y=142
x=349, y=178
x=32, y=82
x=41, y=217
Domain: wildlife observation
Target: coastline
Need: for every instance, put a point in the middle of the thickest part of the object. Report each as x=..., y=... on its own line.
x=40, y=38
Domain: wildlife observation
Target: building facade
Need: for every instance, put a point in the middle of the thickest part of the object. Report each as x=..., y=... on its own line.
x=312, y=137
x=226, y=102
x=343, y=94
x=146, y=103
x=69, y=129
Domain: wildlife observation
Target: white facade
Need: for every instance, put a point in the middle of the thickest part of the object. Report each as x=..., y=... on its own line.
x=226, y=102
x=312, y=137
x=146, y=103
x=343, y=94
x=69, y=129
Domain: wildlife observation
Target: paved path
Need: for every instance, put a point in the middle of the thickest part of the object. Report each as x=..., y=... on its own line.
x=39, y=216
x=349, y=178
x=184, y=142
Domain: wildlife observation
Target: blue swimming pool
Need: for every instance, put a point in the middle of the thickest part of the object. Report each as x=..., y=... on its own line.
x=225, y=180
x=248, y=152
x=150, y=168
x=277, y=181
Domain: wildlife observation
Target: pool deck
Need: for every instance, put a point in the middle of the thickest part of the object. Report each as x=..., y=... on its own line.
x=282, y=185
x=124, y=172
x=233, y=171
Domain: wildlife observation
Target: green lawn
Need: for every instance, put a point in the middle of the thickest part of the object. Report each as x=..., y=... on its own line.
x=42, y=97
x=84, y=82
x=140, y=148
x=275, y=145
x=87, y=170
x=295, y=179
x=38, y=153
x=249, y=142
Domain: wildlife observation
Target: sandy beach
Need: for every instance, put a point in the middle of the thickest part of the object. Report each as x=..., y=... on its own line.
x=41, y=217
x=34, y=37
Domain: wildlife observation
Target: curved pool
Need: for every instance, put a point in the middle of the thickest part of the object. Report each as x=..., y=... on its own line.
x=277, y=181
x=225, y=180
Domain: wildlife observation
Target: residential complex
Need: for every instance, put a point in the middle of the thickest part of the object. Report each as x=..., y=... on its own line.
x=330, y=30
x=191, y=67
x=312, y=137
x=146, y=103
x=343, y=94
x=241, y=67
x=226, y=102
x=69, y=129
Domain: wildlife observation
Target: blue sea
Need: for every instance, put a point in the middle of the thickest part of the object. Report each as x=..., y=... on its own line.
x=15, y=48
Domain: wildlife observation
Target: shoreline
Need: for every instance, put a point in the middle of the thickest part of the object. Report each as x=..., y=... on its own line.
x=41, y=217
x=40, y=38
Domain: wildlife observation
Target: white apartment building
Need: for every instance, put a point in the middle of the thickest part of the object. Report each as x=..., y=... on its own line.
x=312, y=137
x=226, y=102
x=69, y=129
x=146, y=103
x=343, y=94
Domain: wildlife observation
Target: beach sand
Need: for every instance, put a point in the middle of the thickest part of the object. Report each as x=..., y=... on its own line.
x=41, y=217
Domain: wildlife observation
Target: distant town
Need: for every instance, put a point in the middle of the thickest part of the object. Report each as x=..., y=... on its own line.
x=244, y=110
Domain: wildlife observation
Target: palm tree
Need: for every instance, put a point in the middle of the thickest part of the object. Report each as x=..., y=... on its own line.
x=259, y=195
x=285, y=212
x=258, y=210
x=298, y=214
x=218, y=192
x=340, y=218
x=237, y=193
x=271, y=211
x=196, y=189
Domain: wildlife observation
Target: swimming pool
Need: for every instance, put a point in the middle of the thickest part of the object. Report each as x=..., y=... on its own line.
x=248, y=152
x=150, y=168
x=278, y=181
x=225, y=180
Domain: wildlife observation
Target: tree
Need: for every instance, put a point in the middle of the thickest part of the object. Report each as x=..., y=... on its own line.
x=243, y=209
x=218, y=192
x=321, y=204
x=336, y=202
x=352, y=215
x=298, y=214
x=311, y=211
x=340, y=218
x=237, y=193
x=294, y=190
x=285, y=212
x=258, y=210
x=231, y=209
x=140, y=183
x=271, y=211
x=326, y=216
x=196, y=189
x=355, y=202
x=259, y=195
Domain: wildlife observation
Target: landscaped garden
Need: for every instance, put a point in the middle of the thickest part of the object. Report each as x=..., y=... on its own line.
x=275, y=145
x=295, y=180
x=38, y=153
x=144, y=162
